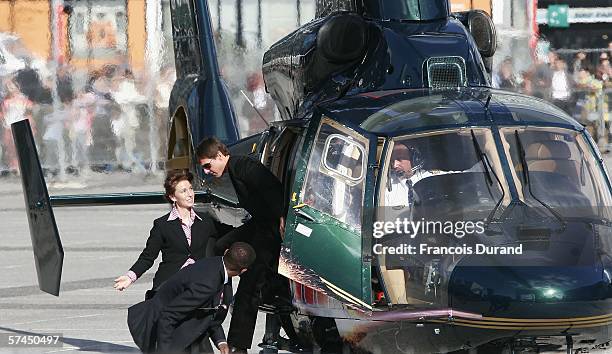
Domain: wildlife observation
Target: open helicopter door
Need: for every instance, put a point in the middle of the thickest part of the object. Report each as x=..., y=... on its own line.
x=48, y=251
x=323, y=245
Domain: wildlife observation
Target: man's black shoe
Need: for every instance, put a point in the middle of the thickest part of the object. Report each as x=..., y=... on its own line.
x=299, y=348
x=235, y=350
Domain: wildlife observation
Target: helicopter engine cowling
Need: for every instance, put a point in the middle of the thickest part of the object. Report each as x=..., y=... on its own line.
x=346, y=54
x=303, y=61
x=341, y=43
x=342, y=39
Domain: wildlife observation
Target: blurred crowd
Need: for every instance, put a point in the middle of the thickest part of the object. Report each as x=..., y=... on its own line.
x=580, y=84
x=104, y=124
x=110, y=118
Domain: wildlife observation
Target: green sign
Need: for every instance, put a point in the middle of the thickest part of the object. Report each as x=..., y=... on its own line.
x=558, y=16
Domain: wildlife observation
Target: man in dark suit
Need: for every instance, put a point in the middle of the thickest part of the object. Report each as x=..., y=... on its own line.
x=187, y=308
x=259, y=193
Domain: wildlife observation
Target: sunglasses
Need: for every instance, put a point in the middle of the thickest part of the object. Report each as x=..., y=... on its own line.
x=206, y=166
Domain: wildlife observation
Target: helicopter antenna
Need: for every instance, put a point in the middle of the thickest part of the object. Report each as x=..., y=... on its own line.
x=255, y=108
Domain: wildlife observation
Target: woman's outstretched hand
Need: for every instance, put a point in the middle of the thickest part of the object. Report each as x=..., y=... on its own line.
x=122, y=283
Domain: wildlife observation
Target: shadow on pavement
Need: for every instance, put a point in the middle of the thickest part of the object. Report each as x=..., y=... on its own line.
x=84, y=345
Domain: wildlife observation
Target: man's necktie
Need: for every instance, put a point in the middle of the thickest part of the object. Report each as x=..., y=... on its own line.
x=410, y=192
x=221, y=304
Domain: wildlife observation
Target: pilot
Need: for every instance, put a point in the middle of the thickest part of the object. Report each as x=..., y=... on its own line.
x=260, y=194
x=406, y=169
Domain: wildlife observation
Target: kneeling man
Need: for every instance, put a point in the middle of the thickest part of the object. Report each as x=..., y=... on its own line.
x=191, y=305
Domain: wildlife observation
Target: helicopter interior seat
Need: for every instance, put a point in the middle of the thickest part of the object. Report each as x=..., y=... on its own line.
x=551, y=169
x=552, y=156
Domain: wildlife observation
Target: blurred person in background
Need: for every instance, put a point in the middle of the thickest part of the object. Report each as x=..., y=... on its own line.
x=604, y=73
x=65, y=89
x=256, y=90
x=35, y=82
x=527, y=83
x=56, y=120
x=80, y=130
x=126, y=125
x=588, y=90
x=53, y=139
x=604, y=70
x=3, y=93
x=31, y=84
x=542, y=75
x=561, y=85
x=103, y=144
x=579, y=63
x=15, y=107
x=505, y=78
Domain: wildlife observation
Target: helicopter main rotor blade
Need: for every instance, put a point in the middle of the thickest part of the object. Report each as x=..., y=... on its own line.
x=46, y=243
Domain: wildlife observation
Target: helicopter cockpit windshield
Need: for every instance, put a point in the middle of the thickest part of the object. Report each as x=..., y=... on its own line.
x=464, y=176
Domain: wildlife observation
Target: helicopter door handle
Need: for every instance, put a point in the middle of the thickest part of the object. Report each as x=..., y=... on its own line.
x=303, y=215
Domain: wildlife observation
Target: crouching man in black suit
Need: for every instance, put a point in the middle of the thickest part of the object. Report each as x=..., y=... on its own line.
x=190, y=306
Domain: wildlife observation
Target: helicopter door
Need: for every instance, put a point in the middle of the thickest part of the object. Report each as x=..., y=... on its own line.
x=323, y=229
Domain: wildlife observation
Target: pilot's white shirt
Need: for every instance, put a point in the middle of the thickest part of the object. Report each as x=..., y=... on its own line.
x=398, y=195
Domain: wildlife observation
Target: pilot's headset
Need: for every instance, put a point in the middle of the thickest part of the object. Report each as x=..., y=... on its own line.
x=416, y=160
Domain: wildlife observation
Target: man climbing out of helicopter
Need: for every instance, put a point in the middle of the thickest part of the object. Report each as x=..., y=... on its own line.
x=259, y=192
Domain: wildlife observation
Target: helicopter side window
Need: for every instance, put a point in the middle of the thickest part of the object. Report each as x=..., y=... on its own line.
x=344, y=158
x=336, y=173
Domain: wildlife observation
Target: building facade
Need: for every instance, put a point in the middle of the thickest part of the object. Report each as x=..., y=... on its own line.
x=589, y=23
x=91, y=33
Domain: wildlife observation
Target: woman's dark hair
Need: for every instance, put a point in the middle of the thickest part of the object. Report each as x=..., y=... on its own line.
x=173, y=178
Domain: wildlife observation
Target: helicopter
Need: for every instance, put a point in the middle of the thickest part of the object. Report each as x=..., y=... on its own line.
x=362, y=78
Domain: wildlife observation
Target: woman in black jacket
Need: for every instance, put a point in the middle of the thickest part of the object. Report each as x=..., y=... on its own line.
x=181, y=235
